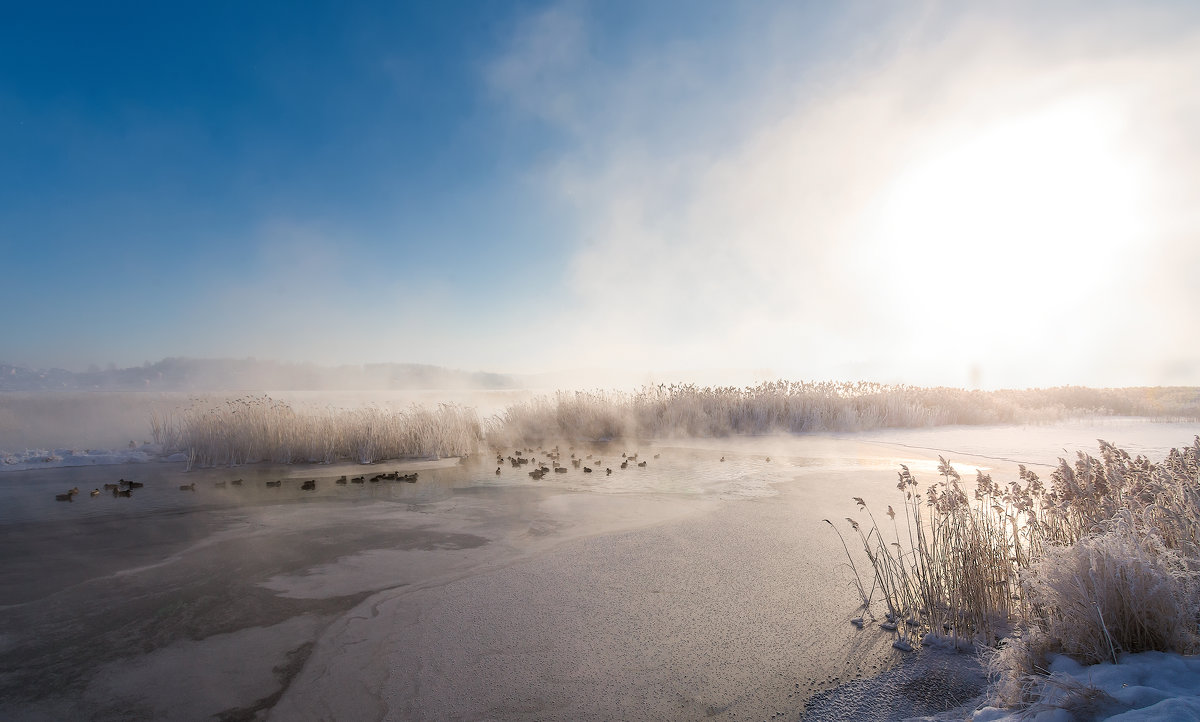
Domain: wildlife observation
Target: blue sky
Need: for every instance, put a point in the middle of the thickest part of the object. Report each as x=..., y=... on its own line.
x=927, y=193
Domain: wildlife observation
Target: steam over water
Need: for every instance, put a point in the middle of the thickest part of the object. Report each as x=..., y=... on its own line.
x=687, y=588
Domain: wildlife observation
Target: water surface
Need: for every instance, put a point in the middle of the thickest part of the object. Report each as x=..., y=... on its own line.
x=689, y=588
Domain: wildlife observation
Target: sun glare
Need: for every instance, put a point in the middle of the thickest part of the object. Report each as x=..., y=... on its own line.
x=980, y=227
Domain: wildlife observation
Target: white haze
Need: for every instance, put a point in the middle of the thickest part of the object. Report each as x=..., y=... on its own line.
x=948, y=198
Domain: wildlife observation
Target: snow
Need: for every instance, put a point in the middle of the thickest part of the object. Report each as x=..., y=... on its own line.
x=55, y=458
x=1145, y=686
x=951, y=642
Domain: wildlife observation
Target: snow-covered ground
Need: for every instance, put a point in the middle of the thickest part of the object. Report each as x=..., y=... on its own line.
x=57, y=458
x=1146, y=686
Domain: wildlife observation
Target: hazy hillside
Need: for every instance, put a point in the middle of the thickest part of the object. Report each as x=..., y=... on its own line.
x=185, y=374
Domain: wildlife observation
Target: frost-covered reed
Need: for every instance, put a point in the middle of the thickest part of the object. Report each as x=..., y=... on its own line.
x=950, y=562
x=259, y=428
x=1104, y=560
x=685, y=410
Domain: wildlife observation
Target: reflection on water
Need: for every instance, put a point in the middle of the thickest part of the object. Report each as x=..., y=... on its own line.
x=725, y=468
x=683, y=466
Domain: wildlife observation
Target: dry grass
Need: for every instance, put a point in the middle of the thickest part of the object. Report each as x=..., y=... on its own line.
x=258, y=428
x=262, y=429
x=954, y=566
x=685, y=410
x=1104, y=561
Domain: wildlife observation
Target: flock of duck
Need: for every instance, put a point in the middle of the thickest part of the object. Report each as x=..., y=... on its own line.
x=554, y=455
x=125, y=488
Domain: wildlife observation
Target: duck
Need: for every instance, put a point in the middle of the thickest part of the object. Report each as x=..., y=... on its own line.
x=110, y=487
x=219, y=484
x=341, y=481
x=497, y=471
x=95, y=492
x=236, y=482
x=309, y=485
x=607, y=472
x=642, y=464
x=123, y=492
x=64, y=497
x=276, y=484
x=192, y=486
x=587, y=469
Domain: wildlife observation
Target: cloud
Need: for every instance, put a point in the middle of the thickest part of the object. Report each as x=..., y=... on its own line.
x=735, y=212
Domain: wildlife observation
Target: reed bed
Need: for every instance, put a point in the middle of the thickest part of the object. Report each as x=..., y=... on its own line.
x=258, y=428
x=1103, y=560
x=686, y=410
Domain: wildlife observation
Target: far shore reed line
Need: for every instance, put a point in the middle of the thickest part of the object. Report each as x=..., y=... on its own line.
x=259, y=428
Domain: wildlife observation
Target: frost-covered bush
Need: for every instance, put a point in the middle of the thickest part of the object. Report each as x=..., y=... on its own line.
x=1118, y=590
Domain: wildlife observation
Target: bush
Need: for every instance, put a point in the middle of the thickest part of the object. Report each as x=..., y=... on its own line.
x=1120, y=589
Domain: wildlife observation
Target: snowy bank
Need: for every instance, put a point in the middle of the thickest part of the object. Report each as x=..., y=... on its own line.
x=56, y=458
x=1145, y=686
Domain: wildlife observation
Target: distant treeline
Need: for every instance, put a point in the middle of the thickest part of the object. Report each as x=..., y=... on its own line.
x=188, y=374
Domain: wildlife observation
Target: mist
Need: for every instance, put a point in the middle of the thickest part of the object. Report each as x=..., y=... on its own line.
x=953, y=190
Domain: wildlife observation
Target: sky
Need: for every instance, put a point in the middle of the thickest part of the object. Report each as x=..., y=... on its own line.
x=962, y=194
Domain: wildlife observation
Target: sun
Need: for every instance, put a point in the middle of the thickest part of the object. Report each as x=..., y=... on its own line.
x=999, y=225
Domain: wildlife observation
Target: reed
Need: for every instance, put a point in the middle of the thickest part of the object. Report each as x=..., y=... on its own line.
x=258, y=428
x=1104, y=560
x=686, y=410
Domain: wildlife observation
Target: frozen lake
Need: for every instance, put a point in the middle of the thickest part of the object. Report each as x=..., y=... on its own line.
x=690, y=588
